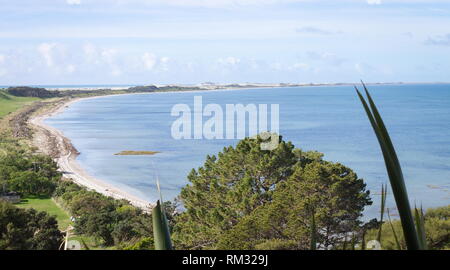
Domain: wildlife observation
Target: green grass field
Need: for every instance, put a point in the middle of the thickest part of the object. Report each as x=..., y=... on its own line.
x=10, y=103
x=49, y=206
x=90, y=242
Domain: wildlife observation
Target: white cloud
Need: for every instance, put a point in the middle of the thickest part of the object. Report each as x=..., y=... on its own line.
x=46, y=51
x=70, y=68
x=312, y=30
x=364, y=68
x=152, y=62
x=230, y=60
x=109, y=55
x=89, y=49
x=164, y=59
x=164, y=63
x=116, y=71
x=103, y=57
x=329, y=58
x=441, y=40
x=276, y=66
x=300, y=66
x=149, y=60
x=374, y=2
x=73, y=2
x=91, y=53
x=2, y=70
x=219, y=3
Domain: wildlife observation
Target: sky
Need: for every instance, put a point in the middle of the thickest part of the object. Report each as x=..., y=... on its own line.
x=86, y=42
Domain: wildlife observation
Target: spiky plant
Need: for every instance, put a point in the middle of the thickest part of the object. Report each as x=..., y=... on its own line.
x=397, y=242
x=161, y=231
x=394, y=171
x=383, y=206
x=420, y=224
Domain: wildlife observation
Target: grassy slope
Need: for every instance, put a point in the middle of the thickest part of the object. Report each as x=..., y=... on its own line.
x=49, y=206
x=63, y=218
x=10, y=103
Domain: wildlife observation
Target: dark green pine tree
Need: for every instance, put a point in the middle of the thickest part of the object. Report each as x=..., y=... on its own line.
x=228, y=187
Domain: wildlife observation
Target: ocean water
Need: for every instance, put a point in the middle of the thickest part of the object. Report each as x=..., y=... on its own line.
x=328, y=119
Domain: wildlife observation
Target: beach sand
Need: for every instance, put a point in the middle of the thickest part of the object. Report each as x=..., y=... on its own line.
x=53, y=142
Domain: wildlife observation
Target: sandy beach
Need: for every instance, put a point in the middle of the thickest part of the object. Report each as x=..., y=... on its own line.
x=53, y=142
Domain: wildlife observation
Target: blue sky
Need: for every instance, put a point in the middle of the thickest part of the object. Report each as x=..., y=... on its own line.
x=194, y=41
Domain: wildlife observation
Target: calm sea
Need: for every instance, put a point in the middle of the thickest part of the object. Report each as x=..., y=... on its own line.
x=327, y=119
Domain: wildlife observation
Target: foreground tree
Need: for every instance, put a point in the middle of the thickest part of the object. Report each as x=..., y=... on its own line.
x=249, y=198
x=329, y=192
x=27, y=173
x=229, y=187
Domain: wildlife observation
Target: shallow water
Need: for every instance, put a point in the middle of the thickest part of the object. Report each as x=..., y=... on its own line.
x=328, y=119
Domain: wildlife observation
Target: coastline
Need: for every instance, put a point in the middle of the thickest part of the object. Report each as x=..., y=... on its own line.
x=54, y=143
x=51, y=141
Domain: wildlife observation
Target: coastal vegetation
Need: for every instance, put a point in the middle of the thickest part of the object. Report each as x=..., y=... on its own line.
x=24, y=91
x=47, y=196
x=36, y=92
x=110, y=222
x=437, y=228
x=241, y=198
x=114, y=222
x=25, y=172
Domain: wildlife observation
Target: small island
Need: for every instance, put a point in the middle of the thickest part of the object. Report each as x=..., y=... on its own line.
x=136, y=153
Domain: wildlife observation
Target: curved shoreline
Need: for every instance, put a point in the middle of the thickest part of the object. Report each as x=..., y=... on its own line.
x=53, y=142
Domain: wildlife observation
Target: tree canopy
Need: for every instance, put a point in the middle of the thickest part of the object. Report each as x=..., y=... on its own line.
x=330, y=192
x=27, y=173
x=247, y=197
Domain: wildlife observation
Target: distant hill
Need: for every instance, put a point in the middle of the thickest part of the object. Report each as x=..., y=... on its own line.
x=25, y=91
x=147, y=88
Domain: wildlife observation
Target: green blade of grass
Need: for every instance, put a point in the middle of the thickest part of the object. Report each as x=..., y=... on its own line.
x=399, y=247
x=160, y=229
x=420, y=224
x=363, y=240
x=353, y=242
x=383, y=206
x=85, y=246
x=394, y=172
